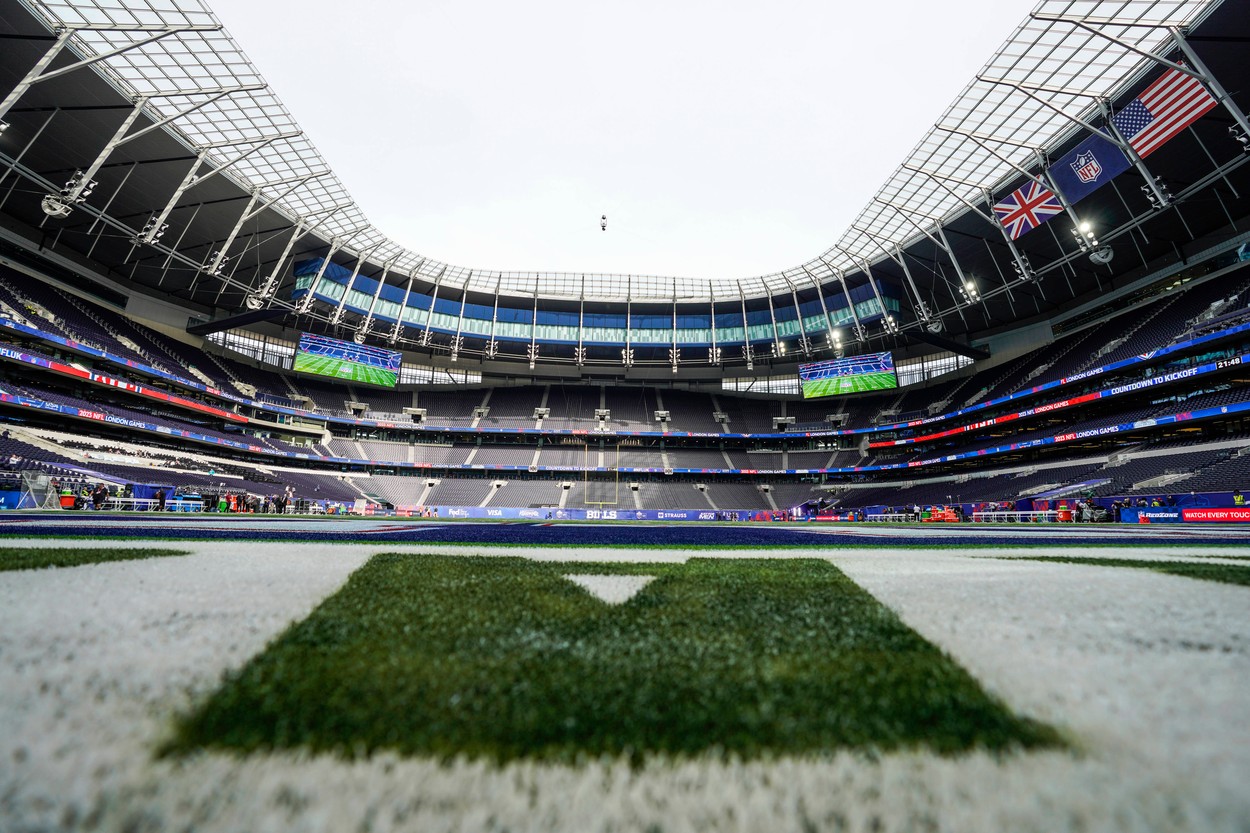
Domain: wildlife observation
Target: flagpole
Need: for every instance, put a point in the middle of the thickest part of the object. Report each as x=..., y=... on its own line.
x=1049, y=181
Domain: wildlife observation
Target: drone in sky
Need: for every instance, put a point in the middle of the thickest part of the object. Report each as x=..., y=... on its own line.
x=603, y=222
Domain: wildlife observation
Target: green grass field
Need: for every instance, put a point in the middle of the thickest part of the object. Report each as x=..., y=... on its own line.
x=505, y=658
x=346, y=371
x=1226, y=573
x=38, y=558
x=850, y=384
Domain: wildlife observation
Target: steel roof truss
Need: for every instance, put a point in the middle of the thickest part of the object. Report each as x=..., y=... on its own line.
x=824, y=306
x=492, y=346
x=337, y=317
x=96, y=222
x=367, y=325
x=335, y=244
x=155, y=225
x=221, y=256
x=872, y=283
x=429, y=316
x=37, y=75
x=84, y=179
x=34, y=75
x=12, y=166
x=896, y=255
x=906, y=215
x=1204, y=75
x=805, y=343
x=270, y=285
x=1085, y=23
x=393, y=338
x=713, y=352
x=860, y=333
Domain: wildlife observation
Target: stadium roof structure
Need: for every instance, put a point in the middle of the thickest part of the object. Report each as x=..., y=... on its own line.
x=142, y=144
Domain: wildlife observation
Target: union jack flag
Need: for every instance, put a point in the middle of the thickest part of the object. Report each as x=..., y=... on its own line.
x=1027, y=208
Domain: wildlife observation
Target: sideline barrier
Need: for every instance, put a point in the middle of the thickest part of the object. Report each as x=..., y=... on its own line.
x=1009, y=516
x=148, y=504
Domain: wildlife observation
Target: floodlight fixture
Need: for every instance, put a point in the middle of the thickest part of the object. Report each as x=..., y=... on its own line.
x=713, y=355
x=4, y=125
x=931, y=322
x=627, y=356
x=76, y=190
x=1234, y=130
x=151, y=232
x=1024, y=269
x=969, y=292
x=1159, y=196
x=1086, y=240
x=221, y=259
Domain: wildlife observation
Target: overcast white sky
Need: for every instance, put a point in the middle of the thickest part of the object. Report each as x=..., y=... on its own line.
x=722, y=139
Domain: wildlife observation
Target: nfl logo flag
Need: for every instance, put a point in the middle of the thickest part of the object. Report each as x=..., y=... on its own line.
x=1026, y=209
x=1165, y=108
x=1089, y=166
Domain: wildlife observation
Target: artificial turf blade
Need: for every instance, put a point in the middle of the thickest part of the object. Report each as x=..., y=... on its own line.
x=37, y=558
x=503, y=658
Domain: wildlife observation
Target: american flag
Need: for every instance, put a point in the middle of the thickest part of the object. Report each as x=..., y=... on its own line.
x=1027, y=208
x=1167, y=107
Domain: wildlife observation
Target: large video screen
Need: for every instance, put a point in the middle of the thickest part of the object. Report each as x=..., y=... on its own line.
x=346, y=361
x=854, y=374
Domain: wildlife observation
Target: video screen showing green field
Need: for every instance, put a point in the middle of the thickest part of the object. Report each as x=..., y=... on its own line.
x=346, y=361
x=853, y=374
